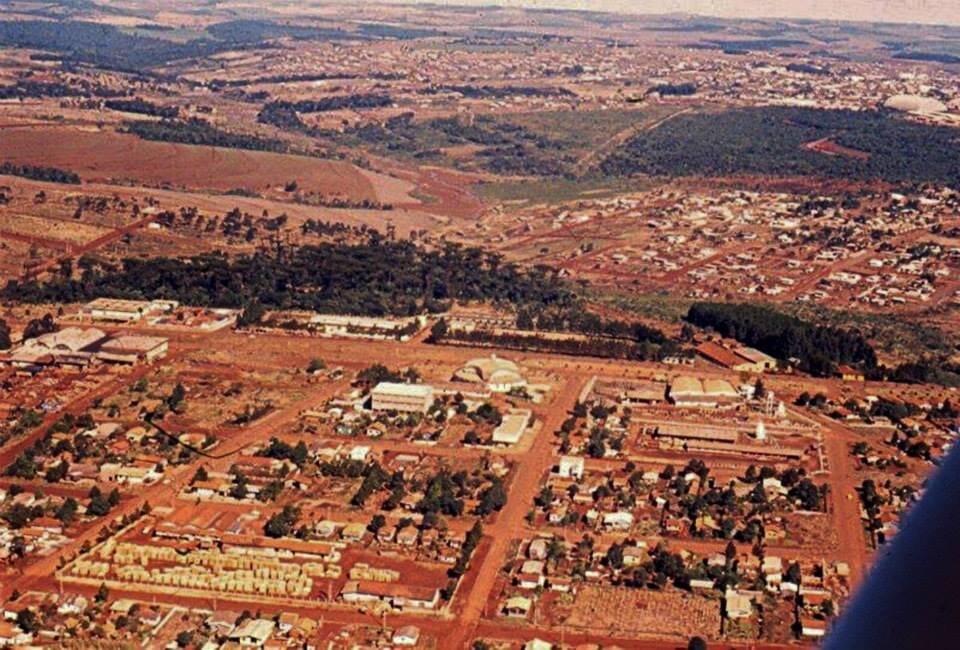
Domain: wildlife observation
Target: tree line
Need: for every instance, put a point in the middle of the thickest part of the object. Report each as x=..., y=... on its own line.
x=40, y=173
x=200, y=132
x=142, y=107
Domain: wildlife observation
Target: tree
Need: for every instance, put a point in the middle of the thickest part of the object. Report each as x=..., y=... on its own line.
x=24, y=466
x=759, y=391
x=377, y=373
x=39, y=327
x=238, y=490
x=184, y=638
x=102, y=593
x=300, y=453
x=378, y=522
x=438, y=331
x=98, y=505
x=200, y=475
x=57, y=473
x=27, y=621
x=270, y=491
x=316, y=365
x=731, y=551
x=545, y=498
x=67, y=511
x=177, y=395
x=614, y=556
x=5, y=342
x=493, y=498
x=281, y=523
x=697, y=643
x=18, y=546
x=794, y=573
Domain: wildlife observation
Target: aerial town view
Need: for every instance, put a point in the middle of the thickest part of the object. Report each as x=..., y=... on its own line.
x=478, y=326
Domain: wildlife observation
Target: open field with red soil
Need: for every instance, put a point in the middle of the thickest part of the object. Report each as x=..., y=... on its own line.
x=53, y=230
x=106, y=155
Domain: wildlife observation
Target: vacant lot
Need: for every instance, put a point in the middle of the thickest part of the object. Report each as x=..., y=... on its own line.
x=648, y=612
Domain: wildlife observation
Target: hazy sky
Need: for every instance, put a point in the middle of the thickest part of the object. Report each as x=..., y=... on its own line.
x=916, y=11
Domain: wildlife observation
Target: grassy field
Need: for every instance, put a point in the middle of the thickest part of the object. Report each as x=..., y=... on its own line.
x=896, y=338
x=558, y=190
x=658, y=306
x=584, y=131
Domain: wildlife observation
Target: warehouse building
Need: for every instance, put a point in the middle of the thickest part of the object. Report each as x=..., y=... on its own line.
x=740, y=359
x=512, y=427
x=405, y=398
x=69, y=346
x=131, y=349
x=690, y=392
x=126, y=311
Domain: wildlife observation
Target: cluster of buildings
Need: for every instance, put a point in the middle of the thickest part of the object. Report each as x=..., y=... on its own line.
x=79, y=347
x=807, y=593
x=35, y=535
x=737, y=357
x=882, y=250
x=345, y=326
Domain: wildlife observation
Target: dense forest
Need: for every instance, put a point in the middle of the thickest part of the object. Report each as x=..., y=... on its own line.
x=117, y=48
x=99, y=44
x=340, y=102
x=770, y=141
x=197, y=131
x=376, y=277
x=285, y=115
x=48, y=174
x=683, y=89
x=27, y=88
x=936, y=57
x=817, y=348
x=806, y=68
x=142, y=107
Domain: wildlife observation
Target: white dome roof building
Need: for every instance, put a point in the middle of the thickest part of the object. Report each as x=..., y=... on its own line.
x=500, y=375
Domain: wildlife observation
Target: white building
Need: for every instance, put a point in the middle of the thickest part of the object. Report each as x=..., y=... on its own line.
x=405, y=398
x=511, y=429
x=571, y=467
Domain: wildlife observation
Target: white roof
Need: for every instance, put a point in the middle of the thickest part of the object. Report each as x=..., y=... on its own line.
x=685, y=385
x=915, y=104
x=618, y=517
x=256, y=628
x=73, y=339
x=407, y=390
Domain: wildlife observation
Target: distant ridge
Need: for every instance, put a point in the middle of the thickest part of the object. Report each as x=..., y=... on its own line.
x=929, y=12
